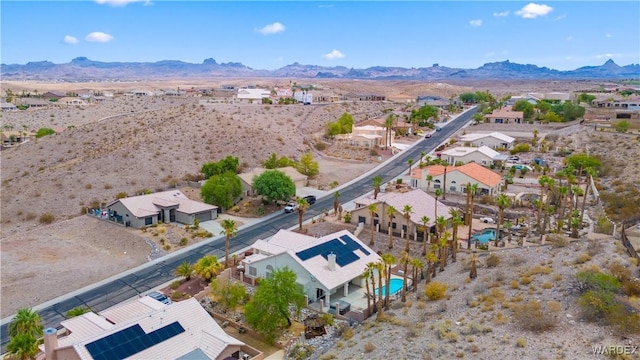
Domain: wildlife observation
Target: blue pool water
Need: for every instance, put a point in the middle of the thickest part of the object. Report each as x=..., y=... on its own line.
x=395, y=285
x=485, y=236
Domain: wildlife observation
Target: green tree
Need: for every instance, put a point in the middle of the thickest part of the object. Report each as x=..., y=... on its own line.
x=437, y=194
x=622, y=126
x=468, y=98
x=471, y=194
x=228, y=164
x=343, y=125
x=503, y=201
x=208, y=267
x=336, y=201
x=44, y=132
x=271, y=162
x=429, y=179
x=423, y=114
x=526, y=108
x=77, y=311
x=388, y=125
x=586, y=98
x=268, y=311
x=308, y=166
x=229, y=293
x=222, y=189
x=274, y=185
x=552, y=117
x=456, y=221
x=229, y=230
x=389, y=261
x=377, y=182
x=184, y=270
x=406, y=213
x=425, y=233
x=303, y=205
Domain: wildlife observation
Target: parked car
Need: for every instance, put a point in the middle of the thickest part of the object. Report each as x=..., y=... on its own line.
x=438, y=128
x=514, y=159
x=520, y=167
x=311, y=199
x=487, y=220
x=160, y=297
x=291, y=207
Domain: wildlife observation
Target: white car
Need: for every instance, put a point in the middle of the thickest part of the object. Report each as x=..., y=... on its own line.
x=487, y=220
x=291, y=207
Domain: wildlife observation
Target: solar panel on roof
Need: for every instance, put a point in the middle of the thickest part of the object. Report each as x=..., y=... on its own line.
x=343, y=248
x=130, y=341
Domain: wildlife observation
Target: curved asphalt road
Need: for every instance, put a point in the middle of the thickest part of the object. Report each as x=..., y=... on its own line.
x=159, y=272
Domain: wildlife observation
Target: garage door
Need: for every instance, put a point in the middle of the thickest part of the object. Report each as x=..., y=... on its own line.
x=205, y=216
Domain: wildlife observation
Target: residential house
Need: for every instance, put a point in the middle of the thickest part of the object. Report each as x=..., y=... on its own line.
x=558, y=97
x=482, y=155
x=14, y=137
x=514, y=99
x=493, y=140
x=331, y=264
x=33, y=102
x=489, y=182
x=368, y=136
x=364, y=97
x=8, y=106
x=246, y=178
x=422, y=204
x=252, y=94
x=505, y=115
x=149, y=209
x=53, y=95
x=145, y=329
x=74, y=101
x=402, y=99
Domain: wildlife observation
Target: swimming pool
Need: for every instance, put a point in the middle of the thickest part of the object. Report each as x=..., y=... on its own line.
x=395, y=285
x=485, y=236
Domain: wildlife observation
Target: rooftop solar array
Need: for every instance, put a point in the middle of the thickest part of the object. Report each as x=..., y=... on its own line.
x=130, y=341
x=343, y=248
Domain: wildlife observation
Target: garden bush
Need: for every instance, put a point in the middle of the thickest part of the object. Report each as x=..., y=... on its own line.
x=435, y=290
x=533, y=316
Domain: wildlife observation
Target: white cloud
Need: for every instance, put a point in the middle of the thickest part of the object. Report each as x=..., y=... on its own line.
x=533, y=10
x=274, y=28
x=121, y=2
x=608, y=35
x=501, y=14
x=70, y=39
x=490, y=54
x=608, y=56
x=98, y=36
x=476, y=22
x=335, y=54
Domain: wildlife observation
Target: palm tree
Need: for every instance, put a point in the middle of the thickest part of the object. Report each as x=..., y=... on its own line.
x=456, y=221
x=184, y=270
x=26, y=321
x=208, y=267
x=590, y=172
x=441, y=224
x=405, y=262
x=422, y=154
x=366, y=275
x=23, y=347
x=444, y=246
x=406, y=213
x=410, y=162
x=471, y=191
x=503, y=201
x=336, y=202
x=380, y=267
x=229, y=230
x=473, y=272
x=550, y=183
x=388, y=124
x=377, y=182
x=563, y=190
x=303, y=206
x=429, y=179
x=444, y=181
x=425, y=233
x=373, y=209
x=391, y=213
x=389, y=260
x=432, y=259
x=416, y=266
x=437, y=194
x=542, y=180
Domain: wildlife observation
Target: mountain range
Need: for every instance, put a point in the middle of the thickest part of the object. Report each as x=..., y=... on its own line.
x=83, y=69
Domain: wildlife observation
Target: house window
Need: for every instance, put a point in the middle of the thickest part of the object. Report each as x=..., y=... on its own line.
x=414, y=183
x=404, y=228
x=269, y=271
x=362, y=219
x=452, y=188
x=484, y=162
x=148, y=220
x=393, y=225
x=253, y=271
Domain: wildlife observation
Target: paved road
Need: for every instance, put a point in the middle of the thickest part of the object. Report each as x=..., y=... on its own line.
x=157, y=273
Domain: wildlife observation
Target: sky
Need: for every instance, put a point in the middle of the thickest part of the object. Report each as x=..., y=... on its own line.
x=562, y=35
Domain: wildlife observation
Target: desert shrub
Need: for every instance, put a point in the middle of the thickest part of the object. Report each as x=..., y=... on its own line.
x=620, y=272
x=347, y=217
x=582, y=258
x=558, y=240
x=474, y=328
x=445, y=332
x=435, y=290
x=521, y=342
x=631, y=287
x=177, y=295
x=167, y=247
x=594, y=247
x=533, y=316
x=493, y=260
x=46, y=218
x=184, y=241
x=121, y=195
x=347, y=333
x=300, y=351
x=77, y=311
x=175, y=284
x=514, y=284
x=598, y=281
x=598, y=305
x=525, y=280
x=230, y=294
x=487, y=200
x=369, y=347
x=524, y=147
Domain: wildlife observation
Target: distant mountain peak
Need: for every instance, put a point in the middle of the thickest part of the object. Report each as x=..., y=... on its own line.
x=209, y=61
x=610, y=63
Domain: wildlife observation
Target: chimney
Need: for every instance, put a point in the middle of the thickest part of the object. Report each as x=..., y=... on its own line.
x=50, y=343
x=331, y=258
